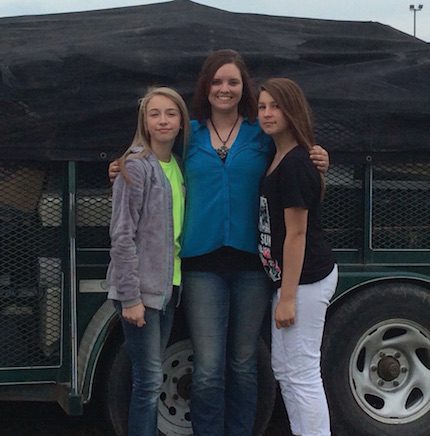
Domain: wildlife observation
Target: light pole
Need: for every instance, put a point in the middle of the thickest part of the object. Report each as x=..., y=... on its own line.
x=415, y=10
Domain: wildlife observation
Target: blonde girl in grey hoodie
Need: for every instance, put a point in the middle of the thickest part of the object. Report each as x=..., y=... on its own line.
x=144, y=274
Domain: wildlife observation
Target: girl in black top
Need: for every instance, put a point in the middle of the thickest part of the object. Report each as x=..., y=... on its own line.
x=295, y=255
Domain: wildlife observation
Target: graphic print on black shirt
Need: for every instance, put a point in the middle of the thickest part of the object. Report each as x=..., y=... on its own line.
x=270, y=265
x=294, y=183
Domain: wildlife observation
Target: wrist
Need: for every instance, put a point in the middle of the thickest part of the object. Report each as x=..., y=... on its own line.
x=287, y=297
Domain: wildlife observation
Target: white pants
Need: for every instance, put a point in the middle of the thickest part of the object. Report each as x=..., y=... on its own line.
x=296, y=355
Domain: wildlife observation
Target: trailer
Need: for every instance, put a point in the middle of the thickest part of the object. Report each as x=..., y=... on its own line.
x=68, y=101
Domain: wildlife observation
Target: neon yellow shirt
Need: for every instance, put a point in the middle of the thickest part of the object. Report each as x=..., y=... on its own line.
x=174, y=175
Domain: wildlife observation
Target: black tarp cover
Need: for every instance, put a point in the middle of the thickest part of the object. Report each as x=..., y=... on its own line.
x=70, y=82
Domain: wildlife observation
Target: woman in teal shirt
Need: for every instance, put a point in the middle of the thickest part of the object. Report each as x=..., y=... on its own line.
x=226, y=292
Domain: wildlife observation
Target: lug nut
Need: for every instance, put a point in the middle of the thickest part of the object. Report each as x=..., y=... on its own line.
x=381, y=354
x=395, y=383
x=373, y=368
x=381, y=382
x=404, y=369
x=397, y=354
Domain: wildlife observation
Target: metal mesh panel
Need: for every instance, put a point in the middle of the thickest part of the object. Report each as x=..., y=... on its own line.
x=401, y=206
x=94, y=204
x=30, y=264
x=342, y=127
x=342, y=209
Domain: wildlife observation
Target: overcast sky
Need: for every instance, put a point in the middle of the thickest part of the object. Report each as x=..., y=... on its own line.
x=395, y=13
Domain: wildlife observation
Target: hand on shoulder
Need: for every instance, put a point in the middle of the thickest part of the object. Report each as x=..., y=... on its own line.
x=320, y=158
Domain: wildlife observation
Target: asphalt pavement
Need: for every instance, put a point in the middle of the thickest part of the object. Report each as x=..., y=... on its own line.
x=48, y=419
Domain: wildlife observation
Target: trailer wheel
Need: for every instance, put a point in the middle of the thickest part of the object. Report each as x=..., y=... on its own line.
x=173, y=411
x=117, y=390
x=267, y=388
x=376, y=362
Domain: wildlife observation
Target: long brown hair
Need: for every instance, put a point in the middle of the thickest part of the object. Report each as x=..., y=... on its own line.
x=141, y=138
x=296, y=110
x=201, y=106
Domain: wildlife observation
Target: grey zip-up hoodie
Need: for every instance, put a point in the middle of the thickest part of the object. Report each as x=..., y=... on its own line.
x=141, y=231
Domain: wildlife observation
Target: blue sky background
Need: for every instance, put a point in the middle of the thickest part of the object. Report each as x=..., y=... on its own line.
x=395, y=13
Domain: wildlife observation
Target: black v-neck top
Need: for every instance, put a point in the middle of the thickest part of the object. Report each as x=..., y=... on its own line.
x=295, y=182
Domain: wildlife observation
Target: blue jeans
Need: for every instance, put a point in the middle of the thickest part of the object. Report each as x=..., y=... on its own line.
x=224, y=314
x=145, y=347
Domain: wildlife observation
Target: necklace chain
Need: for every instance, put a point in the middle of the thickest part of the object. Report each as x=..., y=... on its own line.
x=228, y=136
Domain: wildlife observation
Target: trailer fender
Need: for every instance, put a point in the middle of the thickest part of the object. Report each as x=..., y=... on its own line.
x=93, y=341
x=360, y=282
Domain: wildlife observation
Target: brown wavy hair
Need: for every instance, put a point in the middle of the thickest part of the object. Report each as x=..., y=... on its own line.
x=200, y=103
x=296, y=110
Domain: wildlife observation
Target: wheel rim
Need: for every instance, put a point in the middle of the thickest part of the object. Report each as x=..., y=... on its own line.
x=174, y=406
x=389, y=371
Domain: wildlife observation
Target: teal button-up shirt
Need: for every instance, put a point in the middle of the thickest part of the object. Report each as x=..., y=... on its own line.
x=222, y=197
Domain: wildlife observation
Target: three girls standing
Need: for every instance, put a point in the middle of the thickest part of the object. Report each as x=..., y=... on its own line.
x=226, y=292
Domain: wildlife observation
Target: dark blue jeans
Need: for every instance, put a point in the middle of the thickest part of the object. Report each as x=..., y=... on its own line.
x=145, y=347
x=224, y=313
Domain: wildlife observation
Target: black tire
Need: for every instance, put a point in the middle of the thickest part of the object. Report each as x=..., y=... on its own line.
x=117, y=389
x=174, y=416
x=376, y=362
x=173, y=412
x=279, y=424
x=266, y=390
